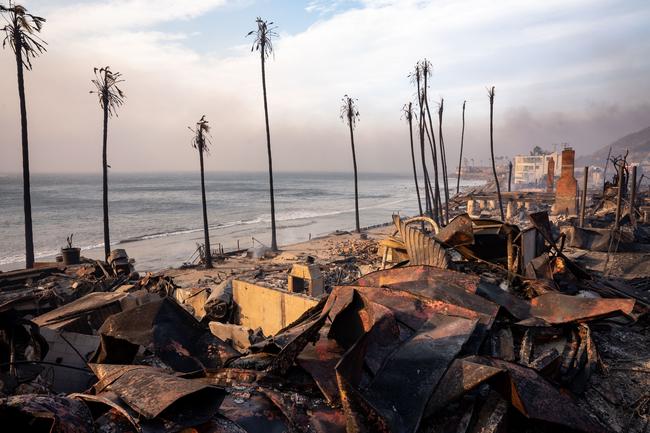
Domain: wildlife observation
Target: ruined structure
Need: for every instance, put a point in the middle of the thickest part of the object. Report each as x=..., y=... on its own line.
x=567, y=186
x=550, y=175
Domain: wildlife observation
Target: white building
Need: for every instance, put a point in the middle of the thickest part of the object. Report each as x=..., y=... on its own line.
x=532, y=169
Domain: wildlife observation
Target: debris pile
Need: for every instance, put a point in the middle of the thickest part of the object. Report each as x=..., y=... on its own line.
x=478, y=326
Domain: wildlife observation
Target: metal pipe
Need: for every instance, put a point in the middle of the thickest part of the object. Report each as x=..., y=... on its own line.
x=619, y=198
x=583, y=201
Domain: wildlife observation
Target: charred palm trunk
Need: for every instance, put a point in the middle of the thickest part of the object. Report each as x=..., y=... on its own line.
x=107, y=239
x=354, y=163
x=27, y=198
x=415, y=173
x=206, y=230
x=422, y=130
x=274, y=242
x=443, y=161
x=437, y=208
x=494, y=167
x=460, y=159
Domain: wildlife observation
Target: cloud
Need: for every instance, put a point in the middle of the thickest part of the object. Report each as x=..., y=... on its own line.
x=560, y=67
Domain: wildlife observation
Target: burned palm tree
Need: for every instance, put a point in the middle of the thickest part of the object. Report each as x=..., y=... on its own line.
x=21, y=30
x=426, y=73
x=460, y=159
x=408, y=114
x=350, y=115
x=200, y=142
x=494, y=167
x=111, y=98
x=264, y=34
x=443, y=159
x=416, y=79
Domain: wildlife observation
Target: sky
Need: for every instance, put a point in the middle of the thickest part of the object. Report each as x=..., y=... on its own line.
x=565, y=71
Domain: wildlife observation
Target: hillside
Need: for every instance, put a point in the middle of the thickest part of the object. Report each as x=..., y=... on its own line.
x=638, y=143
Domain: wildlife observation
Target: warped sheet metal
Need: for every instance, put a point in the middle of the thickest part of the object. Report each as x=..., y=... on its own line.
x=420, y=278
x=168, y=331
x=459, y=231
x=150, y=391
x=556, y=308
x=401, y=351
x=85, y=314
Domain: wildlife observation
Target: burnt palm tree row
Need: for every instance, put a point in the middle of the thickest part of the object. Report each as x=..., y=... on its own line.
x=22, y=31
x=433, y=196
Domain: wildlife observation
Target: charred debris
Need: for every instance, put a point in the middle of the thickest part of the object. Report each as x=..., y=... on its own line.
x=481, y=325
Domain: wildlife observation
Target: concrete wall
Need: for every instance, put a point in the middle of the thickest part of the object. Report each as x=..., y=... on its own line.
x=267, y=308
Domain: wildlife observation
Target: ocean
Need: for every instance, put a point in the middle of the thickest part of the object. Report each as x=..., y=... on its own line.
x=157, y=218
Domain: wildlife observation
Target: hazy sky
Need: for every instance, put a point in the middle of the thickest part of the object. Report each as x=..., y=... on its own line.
x=571, y=71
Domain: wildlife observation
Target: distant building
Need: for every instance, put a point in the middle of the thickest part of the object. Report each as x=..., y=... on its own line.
x=531, y=169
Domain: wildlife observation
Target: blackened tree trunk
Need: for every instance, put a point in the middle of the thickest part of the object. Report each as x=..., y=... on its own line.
x=415, y=173
x=206, y=230
x=274, y=242
x=437, y=208
x=354, y=163
x=107, y=237
x=494, y=167
x=460, y=160
x=443, y=160
x=428, y=193
x=27, y=198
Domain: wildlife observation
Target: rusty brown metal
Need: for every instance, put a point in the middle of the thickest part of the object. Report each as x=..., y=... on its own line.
x=416, y=278
x=459, y=231
x=556, y=308
x=150, y=391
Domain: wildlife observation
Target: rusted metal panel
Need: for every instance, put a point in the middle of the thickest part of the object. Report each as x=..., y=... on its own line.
x=418, y=278
x=399, y=399
x=459, y=231
x=556, y=308
x=150, y=391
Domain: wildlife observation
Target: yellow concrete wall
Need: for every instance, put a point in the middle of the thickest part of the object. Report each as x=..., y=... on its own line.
x=267, y=308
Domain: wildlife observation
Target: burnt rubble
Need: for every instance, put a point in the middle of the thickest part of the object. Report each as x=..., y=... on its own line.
x=478, y=326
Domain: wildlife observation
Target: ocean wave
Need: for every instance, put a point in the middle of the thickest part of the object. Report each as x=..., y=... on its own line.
x=281, y=217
